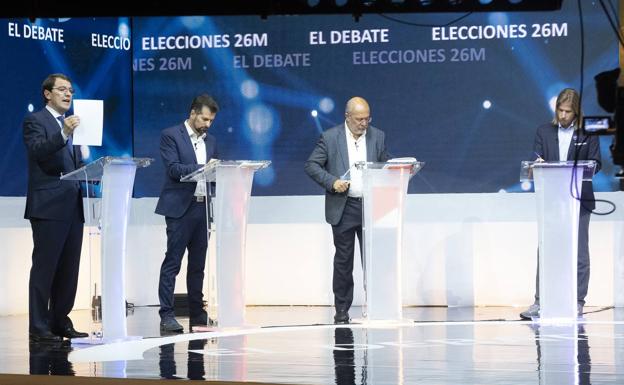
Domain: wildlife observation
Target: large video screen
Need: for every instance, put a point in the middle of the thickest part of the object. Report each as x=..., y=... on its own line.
x=463, y=93
x=465, y=97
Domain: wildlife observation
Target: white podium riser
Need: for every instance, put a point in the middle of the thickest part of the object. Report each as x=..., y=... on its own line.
x=558, y=221
x=232, y=206
x=117, y=182
x=384, y=193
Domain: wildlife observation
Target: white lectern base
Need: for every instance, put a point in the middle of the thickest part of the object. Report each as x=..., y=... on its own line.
x=203, y=329
x=557, y=321
x=382, y=323
x=102, y=340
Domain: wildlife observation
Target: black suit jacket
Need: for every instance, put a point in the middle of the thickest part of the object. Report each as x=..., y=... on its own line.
x=582, y=147
x=178, y=155
x=49, y=197
x=330, y=159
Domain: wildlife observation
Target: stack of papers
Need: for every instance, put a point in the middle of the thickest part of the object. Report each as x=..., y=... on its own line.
x=409, y=159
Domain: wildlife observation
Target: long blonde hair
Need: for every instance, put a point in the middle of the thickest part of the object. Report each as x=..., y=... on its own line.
x=569, y=95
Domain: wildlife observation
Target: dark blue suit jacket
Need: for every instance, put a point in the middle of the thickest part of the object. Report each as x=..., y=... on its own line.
x=49, y=197
x=178, y=155
x=583, y=147
x=330, y=159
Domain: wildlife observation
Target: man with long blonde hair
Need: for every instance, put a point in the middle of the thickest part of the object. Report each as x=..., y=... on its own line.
x=563, y=140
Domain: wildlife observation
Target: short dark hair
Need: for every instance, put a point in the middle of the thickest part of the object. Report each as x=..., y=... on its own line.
x=204, y=100
x=49, y=82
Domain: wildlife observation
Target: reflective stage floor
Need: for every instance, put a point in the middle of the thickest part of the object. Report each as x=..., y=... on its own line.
x=299, y=345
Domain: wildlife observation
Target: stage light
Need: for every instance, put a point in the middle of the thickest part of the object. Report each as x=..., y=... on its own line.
x=313, y=3
x=498, y=18
x=193, y=22
x=124, y=28
x=487, y=104
x=249, y=89
x=552, y=103
x=85, y=151
x=314, y=113
x=326, y=105
x=260, y=122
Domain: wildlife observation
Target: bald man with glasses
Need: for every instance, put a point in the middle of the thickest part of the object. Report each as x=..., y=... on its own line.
x=336, y=151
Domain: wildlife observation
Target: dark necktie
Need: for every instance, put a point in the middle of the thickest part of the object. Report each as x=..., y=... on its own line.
x=70, y=146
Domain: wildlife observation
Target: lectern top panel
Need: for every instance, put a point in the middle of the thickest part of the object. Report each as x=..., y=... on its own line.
x=526, y=168
x=568, y=163
x=95, y=169
x=208, y=172
x=255, y=164
x=391, y=164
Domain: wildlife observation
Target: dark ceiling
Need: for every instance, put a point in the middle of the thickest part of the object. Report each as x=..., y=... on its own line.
x=73, y=8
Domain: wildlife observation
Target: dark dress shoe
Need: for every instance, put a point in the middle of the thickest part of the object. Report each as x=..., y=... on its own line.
x=70, y=332
x=341, y=317
x=46, y=336
x=200, y=320
x=170, y=325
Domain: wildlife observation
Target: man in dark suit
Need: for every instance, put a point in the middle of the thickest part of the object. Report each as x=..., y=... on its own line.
x=562, y=140
x=185, y=148
x=54, y=208
x=336, y=151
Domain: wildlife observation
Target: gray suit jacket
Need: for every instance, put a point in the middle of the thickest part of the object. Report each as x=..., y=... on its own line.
x=330, y=159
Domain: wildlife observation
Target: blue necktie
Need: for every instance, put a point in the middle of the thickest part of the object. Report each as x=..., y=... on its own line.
x=70, y=146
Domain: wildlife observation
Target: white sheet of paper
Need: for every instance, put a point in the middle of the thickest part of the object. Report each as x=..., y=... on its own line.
x=408, y=159
x=91, y=114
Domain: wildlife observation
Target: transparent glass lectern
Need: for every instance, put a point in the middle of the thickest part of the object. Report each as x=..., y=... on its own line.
x=557, y=187
x=234, y=179
x=117, y=178
x=560, y=358
x=384, y=195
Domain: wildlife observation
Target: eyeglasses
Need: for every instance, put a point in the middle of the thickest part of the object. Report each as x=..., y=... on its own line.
x=366, y=119
x=64, y=90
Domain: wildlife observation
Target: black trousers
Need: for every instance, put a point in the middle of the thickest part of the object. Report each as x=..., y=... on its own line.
x=195, y=369
x=54, y=272
x=50, y=359
x=187, y=232
x=344, y=234
x=344, y=357
x=582, y=267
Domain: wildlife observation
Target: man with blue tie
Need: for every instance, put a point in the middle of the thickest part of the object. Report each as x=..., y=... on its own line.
x=185, y=148
x=336, y=151
x=54, y=208
x=563, y=140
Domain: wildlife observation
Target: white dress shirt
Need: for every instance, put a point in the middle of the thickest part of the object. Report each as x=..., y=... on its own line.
x=56, y=115
x=357, y=153
x=199, y=146
x=565, y=137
